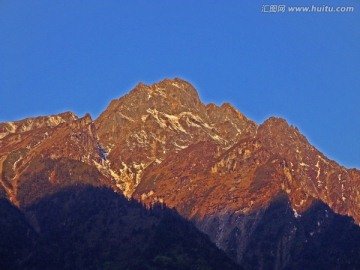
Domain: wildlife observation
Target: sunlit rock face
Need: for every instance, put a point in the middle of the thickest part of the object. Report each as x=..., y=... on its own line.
x=43, y=155
x=142, y=128
x=234, y=179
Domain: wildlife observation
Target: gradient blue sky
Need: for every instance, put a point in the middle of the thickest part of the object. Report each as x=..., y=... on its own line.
x=79, y=55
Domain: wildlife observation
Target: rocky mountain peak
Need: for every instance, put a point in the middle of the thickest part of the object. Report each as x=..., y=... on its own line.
x=160, y=143
x=45, y=154
x=28, y=124
x=278, y=131
x=275, y=124
x=229, y=109
x=151, y=122
x=84, y=121
x=169, y=96
x=307, y=173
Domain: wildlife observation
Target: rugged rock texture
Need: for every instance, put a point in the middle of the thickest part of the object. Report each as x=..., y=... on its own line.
x=34, y=123
x=46, y=154
x=150, y=123
x=226, y=192
x=308, y=173
x=250, y=173
x=237, y=181
x=217, y=175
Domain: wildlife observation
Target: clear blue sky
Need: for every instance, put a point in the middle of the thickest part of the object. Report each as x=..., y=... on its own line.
x=78, y=55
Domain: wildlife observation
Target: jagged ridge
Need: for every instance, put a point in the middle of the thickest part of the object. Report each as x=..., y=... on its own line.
x=160, y=143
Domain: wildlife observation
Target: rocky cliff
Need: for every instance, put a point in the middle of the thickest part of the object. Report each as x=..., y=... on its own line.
x=239, y=182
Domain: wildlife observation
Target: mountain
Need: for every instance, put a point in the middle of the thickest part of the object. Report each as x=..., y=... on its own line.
x=42, y=155
x=143, y=127
x=240, y=183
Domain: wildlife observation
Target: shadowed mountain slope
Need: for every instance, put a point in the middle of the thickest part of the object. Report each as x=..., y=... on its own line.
x=85, y=227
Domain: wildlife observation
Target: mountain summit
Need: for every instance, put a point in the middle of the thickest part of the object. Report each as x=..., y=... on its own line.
x=151, y=122
x=262, y=193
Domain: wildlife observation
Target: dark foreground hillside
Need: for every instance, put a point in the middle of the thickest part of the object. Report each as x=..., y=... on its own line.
x=96, y=228
x=318, y=239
